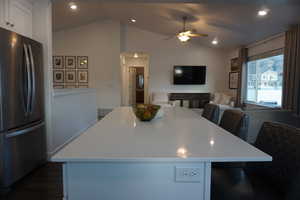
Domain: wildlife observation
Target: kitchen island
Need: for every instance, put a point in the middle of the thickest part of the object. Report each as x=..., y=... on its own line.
x=121, y=157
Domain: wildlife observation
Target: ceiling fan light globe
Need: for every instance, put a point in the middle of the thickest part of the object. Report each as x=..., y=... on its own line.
x=262, y=12
x=183, y=37
x=215, y=42
x=73, y=6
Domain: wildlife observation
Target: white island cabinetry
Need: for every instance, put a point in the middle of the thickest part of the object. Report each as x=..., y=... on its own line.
x=73, y=112
x=121, y=157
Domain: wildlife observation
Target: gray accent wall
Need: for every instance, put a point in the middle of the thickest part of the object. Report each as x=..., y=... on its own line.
x=258, y=117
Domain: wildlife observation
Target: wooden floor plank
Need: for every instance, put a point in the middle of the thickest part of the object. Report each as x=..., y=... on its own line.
x=44, y=183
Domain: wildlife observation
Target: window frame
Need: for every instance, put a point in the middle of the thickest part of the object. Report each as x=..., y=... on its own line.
x=264, y=55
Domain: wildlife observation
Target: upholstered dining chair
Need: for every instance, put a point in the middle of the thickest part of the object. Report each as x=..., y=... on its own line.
x=276, y=180
x=235, y=122
x=211, y=112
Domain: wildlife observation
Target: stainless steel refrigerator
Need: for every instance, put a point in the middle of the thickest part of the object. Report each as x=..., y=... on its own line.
x=22, y=130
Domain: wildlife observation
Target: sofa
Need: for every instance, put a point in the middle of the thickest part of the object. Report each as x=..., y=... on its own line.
x=224, y=101
x=161, y=98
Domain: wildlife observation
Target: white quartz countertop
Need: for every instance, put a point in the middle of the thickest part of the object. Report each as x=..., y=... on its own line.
x=180, y=135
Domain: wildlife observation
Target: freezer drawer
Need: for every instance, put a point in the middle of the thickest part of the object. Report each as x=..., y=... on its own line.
x=23, y=150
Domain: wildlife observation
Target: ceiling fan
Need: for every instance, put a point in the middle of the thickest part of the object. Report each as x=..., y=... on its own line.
x=185, y=35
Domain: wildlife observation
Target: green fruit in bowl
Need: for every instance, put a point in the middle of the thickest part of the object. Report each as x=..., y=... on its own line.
x=146, y=112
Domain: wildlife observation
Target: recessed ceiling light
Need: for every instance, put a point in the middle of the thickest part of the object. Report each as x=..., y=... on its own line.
x=262, y=12
x=215, y=42
x=73, y=6
x=133, y=20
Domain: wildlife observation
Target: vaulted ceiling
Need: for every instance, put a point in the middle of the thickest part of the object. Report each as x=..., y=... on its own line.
x=233, y=22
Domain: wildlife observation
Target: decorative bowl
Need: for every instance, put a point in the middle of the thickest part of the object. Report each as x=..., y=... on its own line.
x=145, y=112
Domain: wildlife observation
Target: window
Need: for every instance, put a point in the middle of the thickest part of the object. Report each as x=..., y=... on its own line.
x=264, y=80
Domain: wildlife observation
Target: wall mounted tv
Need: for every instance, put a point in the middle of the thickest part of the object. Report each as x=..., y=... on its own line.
x=189, y=75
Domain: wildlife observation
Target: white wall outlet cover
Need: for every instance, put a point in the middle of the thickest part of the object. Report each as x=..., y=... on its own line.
x=189, y=174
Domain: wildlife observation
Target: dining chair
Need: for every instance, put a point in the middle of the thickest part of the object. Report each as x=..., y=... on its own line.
x=276, y=180
x=211, y=112
x=235, y=122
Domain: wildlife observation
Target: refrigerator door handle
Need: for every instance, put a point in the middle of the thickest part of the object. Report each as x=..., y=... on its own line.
x=28, y=80
x=24, y=131
x=33, y=79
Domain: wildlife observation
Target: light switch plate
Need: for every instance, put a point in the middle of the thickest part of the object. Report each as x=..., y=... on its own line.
x=188, y=174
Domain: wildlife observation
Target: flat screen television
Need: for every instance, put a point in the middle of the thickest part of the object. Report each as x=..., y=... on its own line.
x=189, y=75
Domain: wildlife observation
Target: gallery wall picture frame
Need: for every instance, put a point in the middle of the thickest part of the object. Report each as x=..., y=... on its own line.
x=70, y=76
x=58, y=86
x=233, y=80
x=70, y=62
x=70, y=86
x=82, y=86
x=58, y=76
x=83, y=76
x=234, y=64
x=58, y=62
x=70, y=71
x=82, y=62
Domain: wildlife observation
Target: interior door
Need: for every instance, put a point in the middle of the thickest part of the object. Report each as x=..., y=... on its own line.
x=15, y=80
x=132, y=86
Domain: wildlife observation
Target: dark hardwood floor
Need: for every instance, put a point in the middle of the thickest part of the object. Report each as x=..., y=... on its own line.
x=44, y=183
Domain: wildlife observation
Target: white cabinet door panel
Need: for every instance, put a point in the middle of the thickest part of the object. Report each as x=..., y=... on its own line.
x=16, y=15
x=4, y=11
x=20, y=16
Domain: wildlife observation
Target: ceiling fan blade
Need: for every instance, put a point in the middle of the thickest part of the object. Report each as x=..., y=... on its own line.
x=197, y=35
x=170, y=37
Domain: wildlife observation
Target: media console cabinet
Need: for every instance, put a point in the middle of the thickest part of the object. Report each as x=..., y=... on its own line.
x=196, y=100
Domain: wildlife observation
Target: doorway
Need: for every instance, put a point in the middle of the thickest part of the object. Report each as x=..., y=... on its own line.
x=135, y=78
x=136, y=85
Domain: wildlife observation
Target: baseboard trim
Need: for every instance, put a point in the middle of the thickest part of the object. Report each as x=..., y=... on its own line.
x=76, y=135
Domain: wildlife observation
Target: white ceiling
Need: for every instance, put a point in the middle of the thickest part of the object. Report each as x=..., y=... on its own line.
x=234, y=22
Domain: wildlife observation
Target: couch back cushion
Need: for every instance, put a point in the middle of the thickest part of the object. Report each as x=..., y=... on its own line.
x=160, y=97
x=217, y=98
x=225, y=100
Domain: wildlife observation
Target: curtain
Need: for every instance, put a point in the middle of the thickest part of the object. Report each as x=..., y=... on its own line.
x=291, y=82
x=240, y=96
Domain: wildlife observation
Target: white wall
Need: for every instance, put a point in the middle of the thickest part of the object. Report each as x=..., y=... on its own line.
x=42, y=32
x=101, y=42
x=164, y=54
x=73, y=112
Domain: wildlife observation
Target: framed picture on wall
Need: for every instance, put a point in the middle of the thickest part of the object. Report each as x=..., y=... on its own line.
x=58, y=86
x=82, y=62
x=70, y=86
x=58, y=62
x=234, y=64
x=233, y=80
x=58, y=76
x=82, y=76
x=70, y=76
x=70, y=62
x=82, y=86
